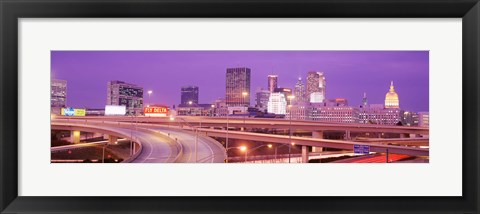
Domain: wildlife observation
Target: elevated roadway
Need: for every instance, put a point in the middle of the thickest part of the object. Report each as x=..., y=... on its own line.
x=338, y=144
x=157, y=145
x=236, y=122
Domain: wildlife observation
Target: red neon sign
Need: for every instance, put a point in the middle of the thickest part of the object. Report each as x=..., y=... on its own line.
x=155, y=110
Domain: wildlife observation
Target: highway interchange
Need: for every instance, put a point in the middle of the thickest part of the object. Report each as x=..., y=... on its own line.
x=159, y=144
x=168, y=141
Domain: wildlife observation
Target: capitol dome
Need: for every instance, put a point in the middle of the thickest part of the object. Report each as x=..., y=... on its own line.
x=391, y=98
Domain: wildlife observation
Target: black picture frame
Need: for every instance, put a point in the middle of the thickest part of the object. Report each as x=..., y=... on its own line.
x=12, y=10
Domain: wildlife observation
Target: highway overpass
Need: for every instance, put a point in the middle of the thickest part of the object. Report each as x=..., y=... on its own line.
x=249, y=123
x=159, y=144
x=376, y=145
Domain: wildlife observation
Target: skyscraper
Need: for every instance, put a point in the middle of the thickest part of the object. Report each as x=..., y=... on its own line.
x=364, y=100
x=262, y=97
x=391, y=98
x=272, y=82
x=237, y=87
x=316, y=83
x=189, y=93
x=287, y=92
x=125, y=94
x=299, y=91
x=277, y=103
x=58, y=93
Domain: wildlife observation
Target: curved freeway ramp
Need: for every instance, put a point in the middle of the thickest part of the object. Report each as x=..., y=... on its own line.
x=159, y=144
x=208, y=149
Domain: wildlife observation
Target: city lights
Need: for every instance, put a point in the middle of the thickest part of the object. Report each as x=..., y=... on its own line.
x=241, y=106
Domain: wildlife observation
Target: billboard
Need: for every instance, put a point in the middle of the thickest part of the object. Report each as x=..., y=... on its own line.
x=156, y=111
x=73, y=112
x=111, y=110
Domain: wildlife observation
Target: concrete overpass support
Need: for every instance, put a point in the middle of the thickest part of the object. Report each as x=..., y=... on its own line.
x=75, y=136
x=317, y=135
x=407, y=135
x=112, y=139
x=304, y=154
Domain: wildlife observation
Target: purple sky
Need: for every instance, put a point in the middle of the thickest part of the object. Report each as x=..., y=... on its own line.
x=348, y=73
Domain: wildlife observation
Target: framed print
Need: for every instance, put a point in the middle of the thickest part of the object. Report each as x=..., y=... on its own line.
x=252, y=106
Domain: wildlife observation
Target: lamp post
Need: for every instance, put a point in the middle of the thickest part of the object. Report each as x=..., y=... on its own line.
x=244, y=94
x=277, y=147
x=131, y=130
x=196, y=134
x=149, y=93
x=253, y=149
x=103, y=153
x=196, y=144
x=212, y=114
x=291, y=97
x=226, y=141
x=171, y=119
x=190, y=108
x=241, y=148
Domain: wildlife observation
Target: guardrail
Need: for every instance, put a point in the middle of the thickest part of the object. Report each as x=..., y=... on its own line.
x=178, y=145
x=125, y=135
x=75, y=146
x=135, y=154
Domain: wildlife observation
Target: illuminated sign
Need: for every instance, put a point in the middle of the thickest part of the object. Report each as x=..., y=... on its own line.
x=115, y=110
x=155, y=111
x=73, y=112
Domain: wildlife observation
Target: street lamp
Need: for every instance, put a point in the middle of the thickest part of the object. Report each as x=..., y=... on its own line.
x=291, y=97
x=277, y=147
x=226, y=141
x=149, y=93
x=251, y=150
x=192, y=129
x=131, y=129
x=241, y=148
x=171, y=119
x=103, y=152
x=212, y=110
x=244, y=94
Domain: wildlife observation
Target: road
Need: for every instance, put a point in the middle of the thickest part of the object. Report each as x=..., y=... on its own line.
x=208, y=150
x=235, y=122
x=157, y=146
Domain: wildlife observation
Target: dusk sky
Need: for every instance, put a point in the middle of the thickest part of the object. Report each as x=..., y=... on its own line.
x=348, y=73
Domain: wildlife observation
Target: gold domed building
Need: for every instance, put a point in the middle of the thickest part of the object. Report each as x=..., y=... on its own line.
x=391, y=98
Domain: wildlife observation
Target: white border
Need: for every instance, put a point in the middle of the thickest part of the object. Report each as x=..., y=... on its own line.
x=441, y=177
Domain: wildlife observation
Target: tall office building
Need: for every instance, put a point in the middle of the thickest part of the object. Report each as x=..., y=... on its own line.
x=364, y=100
x=316, y=83
x=277, y=103
x=272, y=82
x=189, y=94
x=262, y=97
x=125, y=94
x=287, y=92
x=299, y=91
x=58, y=93
x=391, y=98
x=423, y=119
x=237, y=87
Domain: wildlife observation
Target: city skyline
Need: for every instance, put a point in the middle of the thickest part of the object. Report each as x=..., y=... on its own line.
x=349, y=73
